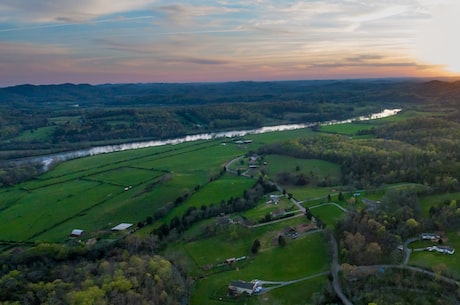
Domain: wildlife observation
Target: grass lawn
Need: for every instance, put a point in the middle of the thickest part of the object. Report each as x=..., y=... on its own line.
x=265, y=207
x=328, y=213
x=295, y=294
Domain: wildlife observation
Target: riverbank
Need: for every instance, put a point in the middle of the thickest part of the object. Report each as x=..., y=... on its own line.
x=48, y=161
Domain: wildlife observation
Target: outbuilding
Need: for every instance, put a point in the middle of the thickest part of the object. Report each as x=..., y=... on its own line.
x=122, y=226
x=76, y=233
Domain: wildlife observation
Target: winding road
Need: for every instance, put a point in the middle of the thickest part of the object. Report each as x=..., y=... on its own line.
x=335, y=266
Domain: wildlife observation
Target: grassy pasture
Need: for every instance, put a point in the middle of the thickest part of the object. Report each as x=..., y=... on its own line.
x=316, y=169
x=229, y=186
x=348, y=129
x=117, y=159
x=42, y=209
x=287, y=265
x=210, y=159
x=125, y=176
x=37, y=209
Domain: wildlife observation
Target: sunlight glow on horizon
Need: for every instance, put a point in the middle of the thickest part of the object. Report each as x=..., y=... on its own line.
x=437, y=39
x=94, y=41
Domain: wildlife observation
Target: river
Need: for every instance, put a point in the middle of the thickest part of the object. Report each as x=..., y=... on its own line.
x=48, y=160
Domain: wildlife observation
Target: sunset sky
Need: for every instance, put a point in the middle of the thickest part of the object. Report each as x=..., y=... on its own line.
x=119, y=41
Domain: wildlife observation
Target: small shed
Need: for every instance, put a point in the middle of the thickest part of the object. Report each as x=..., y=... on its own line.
x=76, y=233
x=122, y=226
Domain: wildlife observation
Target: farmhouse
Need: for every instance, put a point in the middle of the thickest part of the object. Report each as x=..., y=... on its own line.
x=429, y=236
x=76, y=233
x=241, y=287
x=274, y=198
x=442, y=249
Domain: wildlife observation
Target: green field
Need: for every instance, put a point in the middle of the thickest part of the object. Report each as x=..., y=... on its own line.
x=98, y=192
x=286, y=262
x=349, y=129
x=327, y=213
x=229, y=186
x=316, y=169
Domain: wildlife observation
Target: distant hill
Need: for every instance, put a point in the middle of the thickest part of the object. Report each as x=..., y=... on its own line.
x=204, y=93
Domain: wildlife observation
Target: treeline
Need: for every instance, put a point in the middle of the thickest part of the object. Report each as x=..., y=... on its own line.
x=121, y=273
x=249, y=200
x=419, y=150
x=14, y=174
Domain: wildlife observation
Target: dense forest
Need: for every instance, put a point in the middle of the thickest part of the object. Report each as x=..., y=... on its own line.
x=124, y=272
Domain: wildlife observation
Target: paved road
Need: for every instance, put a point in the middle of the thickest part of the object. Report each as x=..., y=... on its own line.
x=281, y=284
x=275, y=221
x=229, y=163
x=329, y=203
x=335, y=267
x=407, y=251
x=416, y=269
x=335, y=272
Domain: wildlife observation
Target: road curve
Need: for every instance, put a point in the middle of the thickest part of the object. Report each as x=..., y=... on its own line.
x=335, y=272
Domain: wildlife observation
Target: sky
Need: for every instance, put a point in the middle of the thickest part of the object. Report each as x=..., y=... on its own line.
x=125, y=41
